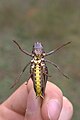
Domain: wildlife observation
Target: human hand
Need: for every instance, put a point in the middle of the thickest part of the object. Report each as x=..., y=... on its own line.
x=23, y=104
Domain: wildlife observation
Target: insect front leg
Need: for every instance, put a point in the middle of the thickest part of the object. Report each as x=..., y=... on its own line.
x=45, y=70
x=18, y=79
x=55, y=65
x=46, y=74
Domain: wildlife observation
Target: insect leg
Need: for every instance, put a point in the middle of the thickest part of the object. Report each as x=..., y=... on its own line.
x=22, y=49
x=46, y=74
x=55, y=65
x=53, y=51
x=17, y=80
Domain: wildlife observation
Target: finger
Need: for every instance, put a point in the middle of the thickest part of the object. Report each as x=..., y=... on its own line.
x=18, y=100
x=52, y=103
x=67, y=110
x=7, y=114
x=33, y=111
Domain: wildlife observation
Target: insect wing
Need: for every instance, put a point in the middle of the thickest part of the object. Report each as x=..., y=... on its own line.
x=44, y=78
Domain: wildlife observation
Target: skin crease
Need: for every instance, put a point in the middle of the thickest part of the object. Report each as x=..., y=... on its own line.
x=23, y=104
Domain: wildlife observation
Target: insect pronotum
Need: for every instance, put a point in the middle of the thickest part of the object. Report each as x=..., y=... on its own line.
x=38, y=68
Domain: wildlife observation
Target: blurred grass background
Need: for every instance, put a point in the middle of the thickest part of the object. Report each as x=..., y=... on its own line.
x=51, y=22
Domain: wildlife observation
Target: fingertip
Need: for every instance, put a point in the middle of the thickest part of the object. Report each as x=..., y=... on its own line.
x=29, y=85
x=54, y=109
x=67, y=109
x=53, y=90
x=52, y=103
x=33, y=109
x=68, y=104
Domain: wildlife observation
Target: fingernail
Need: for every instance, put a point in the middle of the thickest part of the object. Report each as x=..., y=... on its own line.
x=54, y=109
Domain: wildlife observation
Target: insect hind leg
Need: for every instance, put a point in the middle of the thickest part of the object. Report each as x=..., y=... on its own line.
x=18, y=79
x=55, y=65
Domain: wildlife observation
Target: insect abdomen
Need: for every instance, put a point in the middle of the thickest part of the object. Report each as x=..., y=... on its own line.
x=38, y=80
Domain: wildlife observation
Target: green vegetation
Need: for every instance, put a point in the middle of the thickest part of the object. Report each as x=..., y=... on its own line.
x=53, y=23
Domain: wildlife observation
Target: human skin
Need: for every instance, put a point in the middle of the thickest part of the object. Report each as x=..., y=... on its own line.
x=23, y=104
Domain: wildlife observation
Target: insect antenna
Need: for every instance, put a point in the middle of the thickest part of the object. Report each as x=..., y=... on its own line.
x=55, y=50
x=27, y=53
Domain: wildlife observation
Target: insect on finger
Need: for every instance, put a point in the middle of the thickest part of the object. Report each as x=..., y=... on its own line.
x=38, y=68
